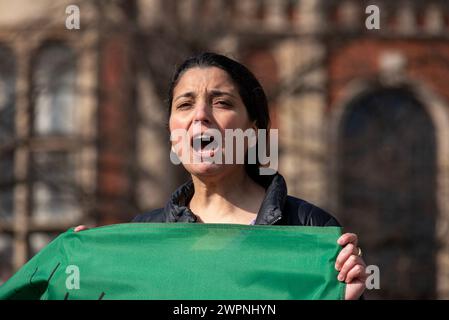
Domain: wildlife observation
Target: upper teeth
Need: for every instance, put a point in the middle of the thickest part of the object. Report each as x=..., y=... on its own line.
x=202, y=141
x=204, y=138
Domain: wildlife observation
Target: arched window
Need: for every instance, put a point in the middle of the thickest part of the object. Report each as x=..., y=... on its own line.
x=387, y=188
x=55, y=195
x=54, y=90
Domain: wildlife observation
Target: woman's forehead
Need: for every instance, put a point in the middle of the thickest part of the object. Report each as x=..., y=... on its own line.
x=210, y=78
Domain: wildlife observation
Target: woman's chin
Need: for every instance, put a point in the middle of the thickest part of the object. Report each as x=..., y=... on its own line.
x=205, y=169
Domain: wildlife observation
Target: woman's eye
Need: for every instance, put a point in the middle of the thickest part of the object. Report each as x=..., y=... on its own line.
x=223, y=103
x=184, y=105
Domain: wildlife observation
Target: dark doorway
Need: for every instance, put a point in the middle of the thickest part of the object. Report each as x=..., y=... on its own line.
x=387, y=189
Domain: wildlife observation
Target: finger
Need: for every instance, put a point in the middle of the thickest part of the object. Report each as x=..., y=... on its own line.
x=357, y=272
x=348, y=265
x=348, y=238
x=344, y=254
x=80, y=228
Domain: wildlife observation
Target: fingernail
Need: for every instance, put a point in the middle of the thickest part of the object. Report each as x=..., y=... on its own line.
x=340, y=277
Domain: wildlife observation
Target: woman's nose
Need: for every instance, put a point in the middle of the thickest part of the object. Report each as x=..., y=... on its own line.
x=202, y=113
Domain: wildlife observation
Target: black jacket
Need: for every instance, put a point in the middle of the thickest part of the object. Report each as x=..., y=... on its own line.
x=277, y=208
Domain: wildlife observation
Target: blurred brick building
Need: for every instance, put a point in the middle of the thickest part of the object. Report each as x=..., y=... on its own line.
x=363, y=117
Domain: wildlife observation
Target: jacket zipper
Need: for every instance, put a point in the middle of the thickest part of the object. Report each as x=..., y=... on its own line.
x=276, y=220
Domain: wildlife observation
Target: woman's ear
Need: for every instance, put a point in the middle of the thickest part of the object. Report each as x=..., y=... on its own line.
x=256, y=132
x=254, y=126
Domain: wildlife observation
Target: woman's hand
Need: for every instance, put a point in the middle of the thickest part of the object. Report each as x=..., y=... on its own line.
x=80, y=228
x=351, y=266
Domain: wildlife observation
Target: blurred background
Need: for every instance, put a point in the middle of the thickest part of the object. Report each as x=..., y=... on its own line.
x=363, y=117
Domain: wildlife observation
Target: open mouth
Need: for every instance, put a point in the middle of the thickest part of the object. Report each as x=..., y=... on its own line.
x=204, y=143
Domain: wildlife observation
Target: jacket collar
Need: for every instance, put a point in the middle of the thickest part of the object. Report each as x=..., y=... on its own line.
x=176, y=209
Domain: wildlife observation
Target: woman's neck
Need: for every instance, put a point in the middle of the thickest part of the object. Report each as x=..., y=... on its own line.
x=234, y=198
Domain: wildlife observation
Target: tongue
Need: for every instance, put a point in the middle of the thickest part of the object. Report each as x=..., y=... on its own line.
x=204, y=144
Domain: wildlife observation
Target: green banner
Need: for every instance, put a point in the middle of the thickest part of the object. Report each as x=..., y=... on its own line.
x=183, y=261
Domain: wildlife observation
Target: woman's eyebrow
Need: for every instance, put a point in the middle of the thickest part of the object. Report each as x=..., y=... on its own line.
x=214, y=93
x=189, y=94
x=218, y=93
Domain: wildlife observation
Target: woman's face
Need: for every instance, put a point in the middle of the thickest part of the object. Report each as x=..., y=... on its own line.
x=206, y=98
